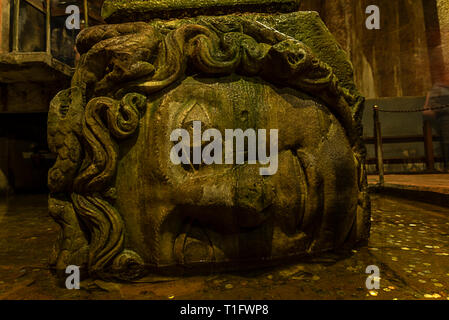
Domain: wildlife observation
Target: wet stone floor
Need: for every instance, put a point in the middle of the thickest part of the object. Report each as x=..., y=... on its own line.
x=409, y=244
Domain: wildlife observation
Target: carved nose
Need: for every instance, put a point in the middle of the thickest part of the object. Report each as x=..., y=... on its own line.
x=243, y=187
x=253, y=192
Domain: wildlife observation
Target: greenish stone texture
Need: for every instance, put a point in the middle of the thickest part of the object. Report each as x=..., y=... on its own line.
x=126, y=209
x=135, y=10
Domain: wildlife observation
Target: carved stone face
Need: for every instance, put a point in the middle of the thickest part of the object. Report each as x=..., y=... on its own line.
x=216, y=213
x=123, y=205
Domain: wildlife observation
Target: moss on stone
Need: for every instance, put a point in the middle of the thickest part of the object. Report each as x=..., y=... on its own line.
x=307, y=27
x=133, y=10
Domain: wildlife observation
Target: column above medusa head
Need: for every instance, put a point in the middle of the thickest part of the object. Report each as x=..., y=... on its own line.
x=210, y=134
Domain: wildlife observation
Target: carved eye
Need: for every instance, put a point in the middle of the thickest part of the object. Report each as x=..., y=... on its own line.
x=295, y=58
x=189, y=126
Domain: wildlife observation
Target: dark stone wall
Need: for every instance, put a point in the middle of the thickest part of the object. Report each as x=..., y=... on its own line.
x=443, y=17
x=390, y=62
x=32, y=29
x=24, y=157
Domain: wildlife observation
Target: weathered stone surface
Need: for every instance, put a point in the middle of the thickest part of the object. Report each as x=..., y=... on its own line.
x=443, y=15
x=306, y=27
x=390, y=62
x=115, y=186
x=32, y=67
x=125, y=10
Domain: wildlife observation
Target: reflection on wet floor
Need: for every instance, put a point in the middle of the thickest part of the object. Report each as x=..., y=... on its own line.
x=409, y=243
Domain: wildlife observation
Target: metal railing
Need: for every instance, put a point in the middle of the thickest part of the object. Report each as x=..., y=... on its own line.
x=378, y=140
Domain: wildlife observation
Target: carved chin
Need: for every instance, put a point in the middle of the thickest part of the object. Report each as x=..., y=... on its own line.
x=230, y=213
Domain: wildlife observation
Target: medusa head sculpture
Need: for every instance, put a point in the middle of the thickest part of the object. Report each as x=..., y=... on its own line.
x=125, y=207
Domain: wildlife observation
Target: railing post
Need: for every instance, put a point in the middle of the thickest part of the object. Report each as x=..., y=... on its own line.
x=428, y=145
x=86, y=14
x=378, y=145
x=15, y=26
x=48, y=27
